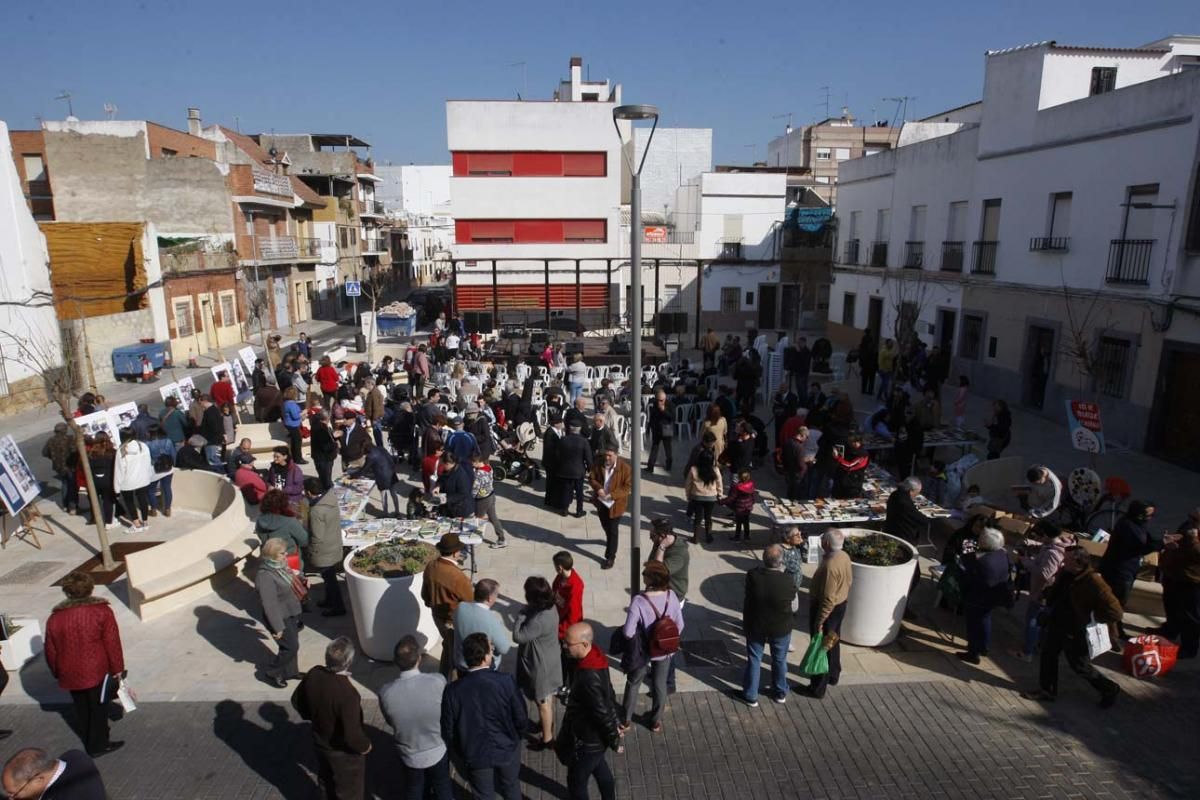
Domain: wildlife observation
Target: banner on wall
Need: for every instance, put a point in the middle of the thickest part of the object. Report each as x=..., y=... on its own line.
x=1087, y=433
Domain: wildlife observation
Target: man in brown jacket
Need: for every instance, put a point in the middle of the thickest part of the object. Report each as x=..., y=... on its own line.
x=1077, y=596
x=827, y=608
x=611, y=480
x=444, y=587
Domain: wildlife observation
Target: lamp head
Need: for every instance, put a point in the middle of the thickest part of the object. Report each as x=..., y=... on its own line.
x=635, y=112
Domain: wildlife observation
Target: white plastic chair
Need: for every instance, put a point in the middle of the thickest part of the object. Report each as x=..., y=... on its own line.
x=523, y=372
x=683, y=416
x=621, y=430
x=837, y=363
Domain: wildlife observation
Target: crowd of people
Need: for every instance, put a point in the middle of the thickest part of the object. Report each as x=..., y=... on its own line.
x=457, y=427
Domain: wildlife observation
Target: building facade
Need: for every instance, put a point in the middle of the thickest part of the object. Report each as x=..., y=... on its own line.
x=820, y=149
x=1049, y=238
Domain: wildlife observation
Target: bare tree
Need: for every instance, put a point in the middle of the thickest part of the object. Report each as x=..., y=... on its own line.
x=257, y=306
x=375, y=285
x=40, y=357
x=908, y=295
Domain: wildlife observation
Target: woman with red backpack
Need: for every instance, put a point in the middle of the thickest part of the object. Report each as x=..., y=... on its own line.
x=656, y=617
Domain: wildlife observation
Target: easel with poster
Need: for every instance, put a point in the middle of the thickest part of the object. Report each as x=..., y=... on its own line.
x=19, y=489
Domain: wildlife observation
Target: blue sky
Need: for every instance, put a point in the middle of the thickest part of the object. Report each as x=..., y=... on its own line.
x=383, y=70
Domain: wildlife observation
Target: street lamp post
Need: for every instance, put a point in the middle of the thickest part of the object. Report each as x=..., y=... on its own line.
x=634, y=113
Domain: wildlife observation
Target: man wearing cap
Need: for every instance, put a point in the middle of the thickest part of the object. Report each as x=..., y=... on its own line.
x=459, y=442
x=574, y=456
x=60, y=448
x=443, y=588
x=248, y=481
x=611, y=480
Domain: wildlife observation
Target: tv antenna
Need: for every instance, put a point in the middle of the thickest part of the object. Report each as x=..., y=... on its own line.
x=110, y=110
x=67, y=96
x=825, y=102
x=788, y=117
x=524, y=77
x=901, y=107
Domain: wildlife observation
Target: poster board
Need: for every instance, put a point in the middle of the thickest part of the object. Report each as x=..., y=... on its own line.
x=241, y=381
x=121, y=416
x=18, y=486
x=186, y=387
x=97, y=422
x=247, y=357
x=172, y=390
x=1083, y=419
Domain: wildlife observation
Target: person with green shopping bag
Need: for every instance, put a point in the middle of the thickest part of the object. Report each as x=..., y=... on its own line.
x=828, y=593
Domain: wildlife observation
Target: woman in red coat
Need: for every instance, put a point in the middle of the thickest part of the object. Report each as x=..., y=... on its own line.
x=83, y=651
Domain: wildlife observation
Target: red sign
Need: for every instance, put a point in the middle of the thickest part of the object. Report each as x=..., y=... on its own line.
x=654, y=234
x=1087, y=413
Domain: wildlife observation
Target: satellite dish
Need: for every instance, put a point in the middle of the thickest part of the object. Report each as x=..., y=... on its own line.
x=272, y=152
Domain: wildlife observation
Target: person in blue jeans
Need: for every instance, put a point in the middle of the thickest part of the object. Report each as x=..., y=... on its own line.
x=767, y=621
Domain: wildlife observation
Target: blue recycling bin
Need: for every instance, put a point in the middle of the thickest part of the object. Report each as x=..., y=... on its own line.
x=127, y=360
x=395, y=326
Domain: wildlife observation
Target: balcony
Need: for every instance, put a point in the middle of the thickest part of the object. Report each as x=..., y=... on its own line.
x=372, y=244
x=983, y=260
x=195, y=257
x=914, y=255
x=1050, y=244
x=850, y=252
x=281, y=248
x=372, y=208
x=311, y=248
x=1129, y=261
x=731, y=251
x=952, y=256
x=667, y=236
x=879, y=254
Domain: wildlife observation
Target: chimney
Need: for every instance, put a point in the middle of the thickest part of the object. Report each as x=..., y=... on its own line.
x=194, y=121
x=576, y=77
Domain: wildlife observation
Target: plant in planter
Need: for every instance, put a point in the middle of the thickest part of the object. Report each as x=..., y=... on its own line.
x=877, y=550
x=384, y=582
x=393, y=559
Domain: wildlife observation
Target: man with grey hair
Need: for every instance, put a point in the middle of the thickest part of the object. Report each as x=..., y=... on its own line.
x=34, y=773
x=903, y=519
x=327, y=699
x=827, y=597
x=988, y=585
x=767, y=620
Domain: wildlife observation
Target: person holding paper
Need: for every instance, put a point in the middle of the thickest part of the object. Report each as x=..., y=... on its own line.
x=83, y=652
x=611, y=480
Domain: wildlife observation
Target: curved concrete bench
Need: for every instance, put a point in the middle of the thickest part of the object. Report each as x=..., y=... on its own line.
x=265, y=437
x=996, y=478
x=188, y=566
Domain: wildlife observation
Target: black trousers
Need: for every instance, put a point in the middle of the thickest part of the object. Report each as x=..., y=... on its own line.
x=136, y=502
x=325, y=472
x=611, y=528
x=832, y=625
x=286, y=664
x=295, y=442
x=342, y=775
x=868, y=380
x=571, y=487
x=655, y=441
x=91, y=719
x=333, y=592
x=553, y=490
x=590, y=762
x=1073, y=644
x=1181, y=600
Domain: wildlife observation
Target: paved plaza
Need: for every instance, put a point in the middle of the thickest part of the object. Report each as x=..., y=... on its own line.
x=908, y=719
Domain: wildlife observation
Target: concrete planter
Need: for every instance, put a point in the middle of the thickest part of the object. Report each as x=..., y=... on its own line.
x=877, y=597
x=386, y=609
x=24, y=644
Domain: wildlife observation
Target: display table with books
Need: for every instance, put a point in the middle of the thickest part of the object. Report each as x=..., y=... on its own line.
x=828, y=511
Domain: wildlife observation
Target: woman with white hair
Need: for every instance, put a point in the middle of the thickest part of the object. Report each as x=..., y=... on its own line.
x=280, y=592
x=988, y=585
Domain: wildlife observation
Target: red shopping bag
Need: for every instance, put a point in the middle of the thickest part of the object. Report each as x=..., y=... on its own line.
x=1149, y=656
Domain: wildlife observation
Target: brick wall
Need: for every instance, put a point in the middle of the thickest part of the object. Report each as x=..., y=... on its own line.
x=184, y=144
x=190, y=286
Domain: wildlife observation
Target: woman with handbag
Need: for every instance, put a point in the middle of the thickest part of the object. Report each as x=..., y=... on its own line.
x=647, y=614
x=539, y=665
x=83, y=652
x=280, y=591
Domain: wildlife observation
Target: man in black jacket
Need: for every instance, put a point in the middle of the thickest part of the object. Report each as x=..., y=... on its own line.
x=573, y=459
x=602, y=436
x=34, y=773
x=483, y=720
x=767, y=620
x=661, y=422
x=554, y=434
x=327, y=699
x=903, y=519
x=589, y=728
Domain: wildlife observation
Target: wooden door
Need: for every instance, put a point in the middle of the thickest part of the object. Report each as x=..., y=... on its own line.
x=1176, y=412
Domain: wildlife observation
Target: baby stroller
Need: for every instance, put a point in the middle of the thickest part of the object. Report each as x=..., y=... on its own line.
x=514, y=452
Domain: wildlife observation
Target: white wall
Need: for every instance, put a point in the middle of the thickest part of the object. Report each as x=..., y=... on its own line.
x=786, y=150
x=24, y=277
x=758, y=198
x=1067, y=75
x=677, y=156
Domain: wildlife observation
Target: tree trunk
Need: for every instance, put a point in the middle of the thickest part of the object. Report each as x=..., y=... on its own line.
x=106, y=556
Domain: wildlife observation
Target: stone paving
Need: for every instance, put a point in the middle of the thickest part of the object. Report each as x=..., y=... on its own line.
x=920, y=740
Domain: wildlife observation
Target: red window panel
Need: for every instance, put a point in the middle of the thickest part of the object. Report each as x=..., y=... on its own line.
x=532, y=296
x=589, y=165
x=499, y=164
x=584, y=230
x=469, y=231
x=461, y=162
x=538, y=164
x=539, y=230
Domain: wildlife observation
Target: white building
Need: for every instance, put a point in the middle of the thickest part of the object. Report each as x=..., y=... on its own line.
x=419, y=194
x=1049, y=237
x=30, y=342
x=676, y=158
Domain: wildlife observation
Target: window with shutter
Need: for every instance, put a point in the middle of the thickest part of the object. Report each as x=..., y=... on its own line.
x=585, y=165
x=584, y=230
